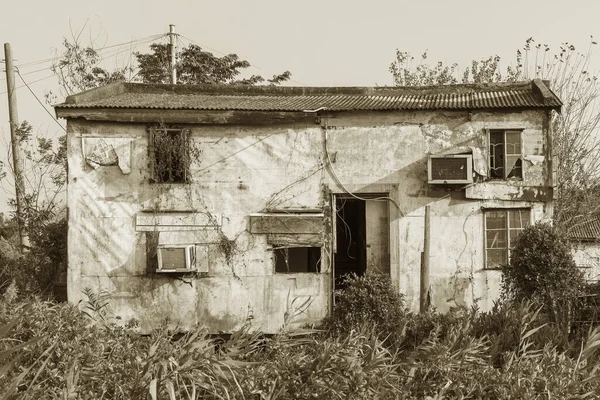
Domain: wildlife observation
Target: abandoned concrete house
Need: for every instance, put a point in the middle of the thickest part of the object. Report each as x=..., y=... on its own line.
x=226, y=205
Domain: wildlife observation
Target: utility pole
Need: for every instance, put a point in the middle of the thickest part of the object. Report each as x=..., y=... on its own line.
x=16, y=148
x=173, y=49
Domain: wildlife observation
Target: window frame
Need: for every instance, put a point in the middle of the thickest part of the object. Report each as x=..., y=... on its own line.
x=287, y=248
x=504, y=142
x=184, y=160
x=507, y=229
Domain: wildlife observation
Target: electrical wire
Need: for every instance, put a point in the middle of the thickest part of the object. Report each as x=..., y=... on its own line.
x=39, y=101
x=237, y=152
x=113, y=53
x=144, y=39
x=339, y=182
x=37, y=80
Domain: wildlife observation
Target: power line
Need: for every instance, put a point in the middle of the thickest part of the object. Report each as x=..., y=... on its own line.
x=144, y=39
x=37, y=80
x=104, y=56
x=38, y=100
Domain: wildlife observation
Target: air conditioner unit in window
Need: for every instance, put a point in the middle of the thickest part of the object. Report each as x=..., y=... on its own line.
x=450, y=169
x=176, y=258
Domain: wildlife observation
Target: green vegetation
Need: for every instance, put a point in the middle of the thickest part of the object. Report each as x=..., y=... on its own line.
x=57, y=351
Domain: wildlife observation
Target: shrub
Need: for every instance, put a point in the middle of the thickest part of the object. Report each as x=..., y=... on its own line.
x=422, y=326
x=35, y=272
x=367, y=301
x=355, y=366
x=542, y=269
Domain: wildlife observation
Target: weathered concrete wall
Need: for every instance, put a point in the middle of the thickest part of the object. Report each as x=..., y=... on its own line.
x=108, y=251
x=587, y=258
x=242, y=171
x=387, y=152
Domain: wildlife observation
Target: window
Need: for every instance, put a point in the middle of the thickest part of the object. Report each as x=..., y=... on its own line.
x=176, y=258
x=169, y=154
x=506, y=160
x=297, y=259
x=501, y=229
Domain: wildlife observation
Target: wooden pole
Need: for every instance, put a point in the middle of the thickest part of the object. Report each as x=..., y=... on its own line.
x=424, y=281
x=16, y=149
x=173, y=54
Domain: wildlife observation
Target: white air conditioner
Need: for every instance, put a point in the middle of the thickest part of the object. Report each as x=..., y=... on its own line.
x=450, y=169
x=176, y=258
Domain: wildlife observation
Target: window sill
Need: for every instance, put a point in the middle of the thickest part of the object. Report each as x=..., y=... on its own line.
x=153, y=182
x=176, y=271
x=297, y=273
x=511, y=190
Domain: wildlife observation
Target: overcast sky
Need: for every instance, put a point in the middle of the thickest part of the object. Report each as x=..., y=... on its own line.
x=323, y=43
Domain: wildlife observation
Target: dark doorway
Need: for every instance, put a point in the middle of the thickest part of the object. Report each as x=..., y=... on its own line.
x=350, y=255
x=362, y=237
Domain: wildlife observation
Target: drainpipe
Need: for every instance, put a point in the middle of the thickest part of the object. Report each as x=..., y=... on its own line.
x=424, y=278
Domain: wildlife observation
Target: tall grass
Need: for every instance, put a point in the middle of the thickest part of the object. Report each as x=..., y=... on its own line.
x=50, y=351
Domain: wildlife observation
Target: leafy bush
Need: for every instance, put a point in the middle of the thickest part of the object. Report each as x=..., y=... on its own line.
x=367, y=301
x=89, y=360
x=541, y=266
x=355, y=366
x=506, y=324
x=422, y=326
x=35, y=272
x=542, y=269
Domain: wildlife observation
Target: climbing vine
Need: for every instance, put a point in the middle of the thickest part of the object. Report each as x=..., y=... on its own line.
x=171, y=153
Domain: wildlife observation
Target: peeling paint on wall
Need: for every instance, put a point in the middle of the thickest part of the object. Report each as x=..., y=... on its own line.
x=243, y=172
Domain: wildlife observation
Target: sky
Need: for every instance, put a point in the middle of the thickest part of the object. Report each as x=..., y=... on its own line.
x=322, y=43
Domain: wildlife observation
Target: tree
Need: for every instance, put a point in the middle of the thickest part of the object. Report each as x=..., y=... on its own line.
x=44, y=214
x=79, y=67
x=196, y=66
x=575, y=129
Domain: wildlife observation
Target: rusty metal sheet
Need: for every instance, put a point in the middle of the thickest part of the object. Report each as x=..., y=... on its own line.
x=197, y=97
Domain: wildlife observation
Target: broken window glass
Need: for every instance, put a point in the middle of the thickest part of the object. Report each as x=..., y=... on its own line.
x=506, y=160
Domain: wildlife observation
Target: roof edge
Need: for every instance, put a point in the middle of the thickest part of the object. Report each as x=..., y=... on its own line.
x=542, y=89
x=97, y=93
x=267, y=90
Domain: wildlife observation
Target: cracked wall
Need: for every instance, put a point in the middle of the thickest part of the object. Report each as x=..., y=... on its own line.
x=242, y=171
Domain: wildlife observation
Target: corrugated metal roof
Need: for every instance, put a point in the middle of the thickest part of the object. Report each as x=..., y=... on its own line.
x=268, y=98
x=584, y=228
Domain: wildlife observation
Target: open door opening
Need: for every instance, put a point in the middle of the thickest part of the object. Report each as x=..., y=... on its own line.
x=361, y=237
